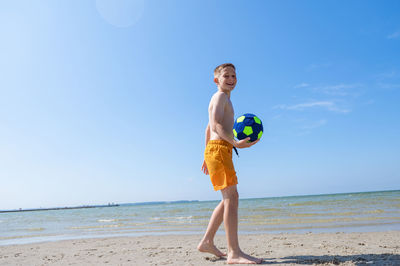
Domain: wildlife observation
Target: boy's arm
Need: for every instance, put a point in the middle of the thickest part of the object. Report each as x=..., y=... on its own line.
x=208, y=133
x=204, y=166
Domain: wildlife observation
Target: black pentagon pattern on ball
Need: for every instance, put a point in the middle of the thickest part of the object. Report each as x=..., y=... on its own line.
x=250, y=122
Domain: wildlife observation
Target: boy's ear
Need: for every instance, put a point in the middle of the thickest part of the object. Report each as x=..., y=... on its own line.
x=216, y=81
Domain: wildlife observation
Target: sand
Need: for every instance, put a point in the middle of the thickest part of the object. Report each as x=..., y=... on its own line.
x=372, y=248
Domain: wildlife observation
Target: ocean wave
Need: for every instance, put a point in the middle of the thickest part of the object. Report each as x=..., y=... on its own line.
x=96, y=226
x=374, y=211
x=25, y=236
x=107, y=220
x=314, y=221
x=176, y=218
x=313, y=203
x=267, y=210
x=113, y=220
x=35, y=229
x=316, y=214
x=184, y=217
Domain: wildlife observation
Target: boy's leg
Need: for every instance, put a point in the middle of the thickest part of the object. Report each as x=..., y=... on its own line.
x=207, y=243
x=231, y=203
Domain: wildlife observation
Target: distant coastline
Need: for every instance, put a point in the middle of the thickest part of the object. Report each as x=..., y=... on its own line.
x=158, y=202
x=98, y=206
x=61, y=208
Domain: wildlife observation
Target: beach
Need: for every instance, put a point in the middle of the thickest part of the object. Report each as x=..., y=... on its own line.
x=369, y=248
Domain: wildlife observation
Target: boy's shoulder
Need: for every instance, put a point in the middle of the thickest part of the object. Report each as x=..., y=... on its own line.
x=219, y=95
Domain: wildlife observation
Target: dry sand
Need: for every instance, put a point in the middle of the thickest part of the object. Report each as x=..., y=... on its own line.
x=374, y=248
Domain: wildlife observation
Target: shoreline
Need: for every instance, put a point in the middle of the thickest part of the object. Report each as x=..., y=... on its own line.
x=376, y=248
x=37, y=239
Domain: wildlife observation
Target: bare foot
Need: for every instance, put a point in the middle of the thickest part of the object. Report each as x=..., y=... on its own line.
x=256, y=260
x=239, y=260
x=210, y=248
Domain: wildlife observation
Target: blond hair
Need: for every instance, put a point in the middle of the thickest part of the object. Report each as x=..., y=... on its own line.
x=219, y=68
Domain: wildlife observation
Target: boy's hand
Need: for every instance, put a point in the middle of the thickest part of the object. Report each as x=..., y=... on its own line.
x=204, y=168
x=244, y=143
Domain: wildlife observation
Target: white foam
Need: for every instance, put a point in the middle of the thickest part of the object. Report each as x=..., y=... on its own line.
x=106, y=220
x=184, y=217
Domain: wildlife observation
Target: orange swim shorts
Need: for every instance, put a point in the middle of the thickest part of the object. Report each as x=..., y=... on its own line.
x=218, y=157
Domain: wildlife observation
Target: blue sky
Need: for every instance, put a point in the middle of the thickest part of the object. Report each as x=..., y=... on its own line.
x=106, y=101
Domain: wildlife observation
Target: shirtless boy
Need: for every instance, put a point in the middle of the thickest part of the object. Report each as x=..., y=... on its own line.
x=218, y=164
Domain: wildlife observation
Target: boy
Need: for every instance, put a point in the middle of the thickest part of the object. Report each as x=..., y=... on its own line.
x=218, y=164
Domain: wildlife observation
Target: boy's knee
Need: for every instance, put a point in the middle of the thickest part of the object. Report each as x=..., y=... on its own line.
x=230, y=193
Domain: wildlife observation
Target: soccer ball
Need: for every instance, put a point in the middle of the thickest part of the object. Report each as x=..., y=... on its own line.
x=248, y=125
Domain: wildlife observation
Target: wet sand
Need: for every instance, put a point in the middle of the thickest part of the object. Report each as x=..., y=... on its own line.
x=372, y=248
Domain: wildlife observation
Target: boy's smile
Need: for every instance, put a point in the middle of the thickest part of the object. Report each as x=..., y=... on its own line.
x=226, y=81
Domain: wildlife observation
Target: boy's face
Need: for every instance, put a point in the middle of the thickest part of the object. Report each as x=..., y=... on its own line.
x=227, y=79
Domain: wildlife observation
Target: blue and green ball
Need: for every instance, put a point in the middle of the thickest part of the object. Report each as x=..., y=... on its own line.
x=248, y=125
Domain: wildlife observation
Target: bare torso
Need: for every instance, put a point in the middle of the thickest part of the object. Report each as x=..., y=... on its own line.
x=227, y=121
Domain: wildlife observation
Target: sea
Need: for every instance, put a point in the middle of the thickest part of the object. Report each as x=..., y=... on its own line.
x=345, y=212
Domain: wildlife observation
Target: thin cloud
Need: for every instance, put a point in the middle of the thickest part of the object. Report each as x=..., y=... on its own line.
x=387, y=75
x=276, y=117
x=369, y=102
x=301, y=85
x=389, y=86
x=394, y=35
x=327, y=105
x=338, y=90
x=315, y=124
x=307, y=127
